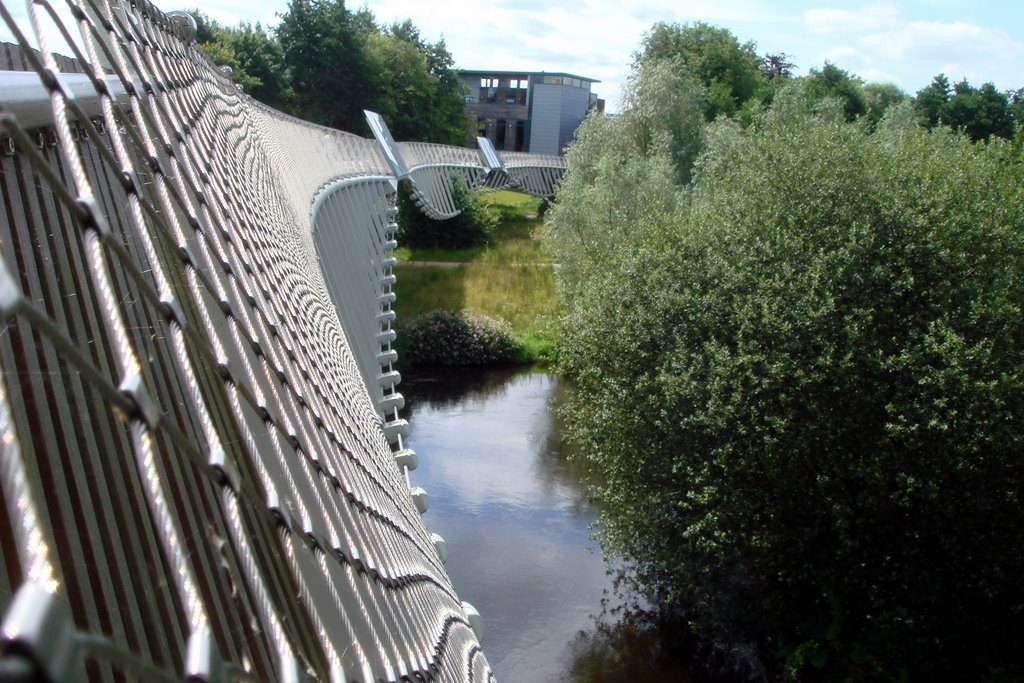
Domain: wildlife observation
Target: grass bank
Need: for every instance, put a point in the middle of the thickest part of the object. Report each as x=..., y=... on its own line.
x=510, y=278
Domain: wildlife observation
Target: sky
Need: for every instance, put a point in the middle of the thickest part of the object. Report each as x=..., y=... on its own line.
x=906, y=42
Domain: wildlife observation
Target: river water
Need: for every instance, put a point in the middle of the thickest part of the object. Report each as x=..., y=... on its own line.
x=512, y=510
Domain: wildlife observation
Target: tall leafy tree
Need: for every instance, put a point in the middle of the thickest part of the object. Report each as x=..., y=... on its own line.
x=777, y=65
x=626, y=170
x=448, y=116
x=330, y=69
x=254, y=55
x=932, y=99
x=419, y=94
x=980, y=112
x=832, y=82
x=260, y=58
x=879, y=97
x=1017, y=104
x=729, y=70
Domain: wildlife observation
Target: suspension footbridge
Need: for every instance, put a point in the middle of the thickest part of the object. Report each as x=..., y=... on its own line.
x=202, y=466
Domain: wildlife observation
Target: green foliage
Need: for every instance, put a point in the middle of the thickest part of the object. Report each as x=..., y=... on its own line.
x=418, y=92
x=980, y=112
x=801, y=381
x=932, y=99
x=254, y=55
x=624, y=171
x=331, y=72
x=469, y=228
x=728, y=70
x=448, y=338
x=832, y=82
x=662, y=114
x=340, y=63
x=261, y=60
x=879, y=97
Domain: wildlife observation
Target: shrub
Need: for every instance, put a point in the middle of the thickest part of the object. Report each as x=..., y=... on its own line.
x=804, y=393
x=470, y=228
x=442, y=337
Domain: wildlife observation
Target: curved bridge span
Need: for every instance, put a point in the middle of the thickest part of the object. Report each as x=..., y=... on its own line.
x=202, y=466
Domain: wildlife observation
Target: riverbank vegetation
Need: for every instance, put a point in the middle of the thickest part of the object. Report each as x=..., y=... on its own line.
x=795, y=324
x=509, y=279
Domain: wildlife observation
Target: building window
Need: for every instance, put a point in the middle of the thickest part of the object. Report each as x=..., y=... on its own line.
x=488, y=94
x=516, y=91
x=488, y=82
x=520, y=136
x=553, y=80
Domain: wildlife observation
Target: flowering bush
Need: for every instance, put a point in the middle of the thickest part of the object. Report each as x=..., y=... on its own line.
x=442, y=337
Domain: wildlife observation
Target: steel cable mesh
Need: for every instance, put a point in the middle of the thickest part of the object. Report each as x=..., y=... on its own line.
x=204, y=485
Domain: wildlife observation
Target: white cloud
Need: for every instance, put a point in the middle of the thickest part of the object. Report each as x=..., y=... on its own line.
x=938, y=40
x=844, y=54
x=864, y=20
x=958, y=49
x=877, y=76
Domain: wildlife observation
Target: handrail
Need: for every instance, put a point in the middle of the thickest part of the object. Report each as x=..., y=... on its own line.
x=24, y=95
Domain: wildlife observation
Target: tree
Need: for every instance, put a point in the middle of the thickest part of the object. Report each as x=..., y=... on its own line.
x=343, y=63
x=878, y=97
x=777, y=65
x=261, y=61
x=448, y=115
x=331, y=74
x=419, y=93
x=255, y=58
x=1017, y=104
x=832, y=82
x=980, y=112
x=932, y=99
x=626, y=170
x=728, y=70
x=800, y=380
x=404, y=85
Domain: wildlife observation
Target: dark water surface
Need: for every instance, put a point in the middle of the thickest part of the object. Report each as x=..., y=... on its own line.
x=512, y=511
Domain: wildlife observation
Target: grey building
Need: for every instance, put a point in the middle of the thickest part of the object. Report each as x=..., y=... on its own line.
x=528, y=111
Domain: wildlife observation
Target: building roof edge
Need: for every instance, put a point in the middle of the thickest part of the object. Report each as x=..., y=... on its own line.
x=506, y=72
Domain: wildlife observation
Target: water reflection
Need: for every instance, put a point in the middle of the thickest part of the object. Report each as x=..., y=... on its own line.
x=513, y=512
x=516, y=517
